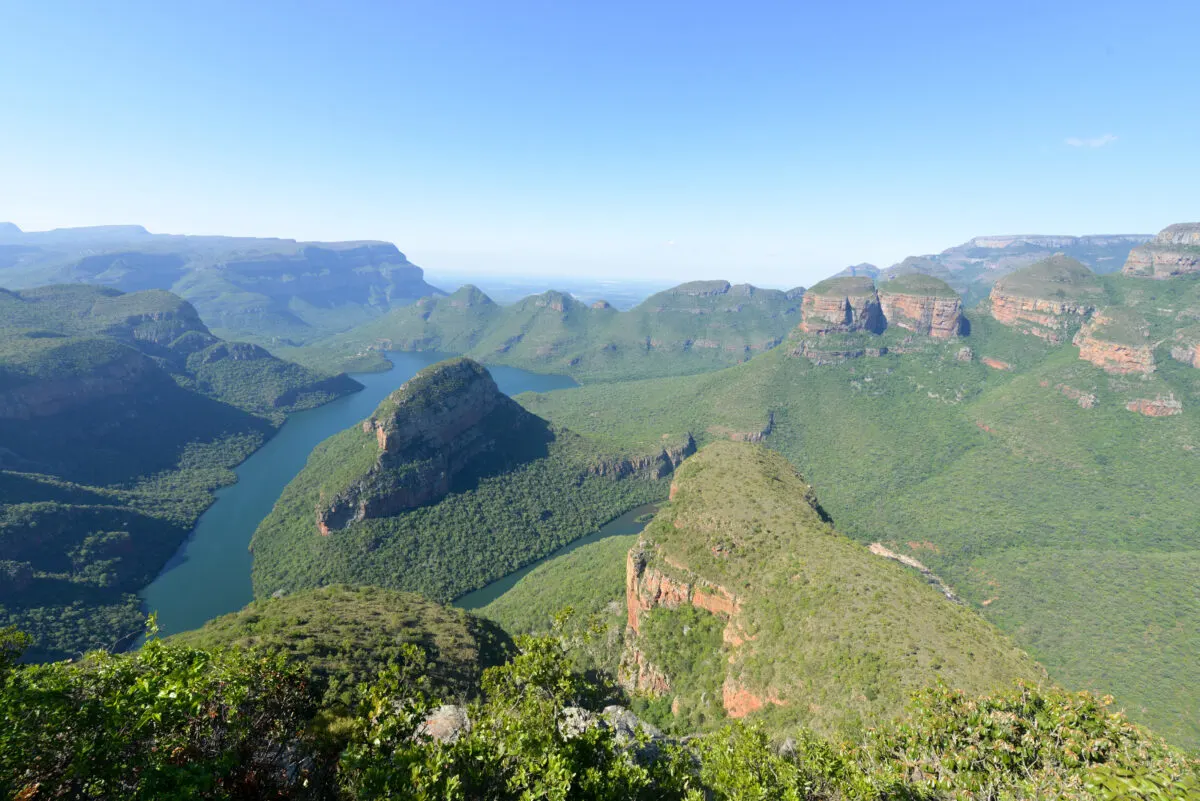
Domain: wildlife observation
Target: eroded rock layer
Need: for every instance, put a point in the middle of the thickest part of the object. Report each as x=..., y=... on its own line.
x=1175, y=251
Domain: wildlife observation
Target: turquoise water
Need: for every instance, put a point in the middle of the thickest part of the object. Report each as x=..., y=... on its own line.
x=627, y=523
x=210, y=575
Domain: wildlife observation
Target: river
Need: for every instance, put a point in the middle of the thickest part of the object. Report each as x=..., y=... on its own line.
x=632, y=522
x=210, y=574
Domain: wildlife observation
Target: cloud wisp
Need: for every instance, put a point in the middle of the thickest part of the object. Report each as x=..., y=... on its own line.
x=1098, y=141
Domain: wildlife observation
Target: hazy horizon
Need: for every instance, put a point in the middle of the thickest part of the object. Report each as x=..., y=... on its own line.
x=766, y=142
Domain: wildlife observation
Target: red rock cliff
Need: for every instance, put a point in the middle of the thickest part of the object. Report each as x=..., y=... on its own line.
x=939, y=317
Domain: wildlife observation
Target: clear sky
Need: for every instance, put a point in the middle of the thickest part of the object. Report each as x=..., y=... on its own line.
x=769, y=142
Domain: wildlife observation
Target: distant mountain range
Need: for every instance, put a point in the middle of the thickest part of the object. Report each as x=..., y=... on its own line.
x=972, y=267
x=269, y=291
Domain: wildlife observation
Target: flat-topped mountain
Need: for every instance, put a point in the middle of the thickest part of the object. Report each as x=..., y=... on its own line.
x=842, y=305
x=922, y=304
x=447, y=486
x=1175, y=251
x=843, y=318
x=119, y=414
x=1046, y=298
x=697, y=326
x=271, y=291
x=742, y=597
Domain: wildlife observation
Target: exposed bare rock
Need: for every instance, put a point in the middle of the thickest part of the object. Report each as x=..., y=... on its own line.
x=842, y=305
x=1175, y=251
x=1117, y=342
x=1047, y=299
x=922, y=304
x=1161, y=406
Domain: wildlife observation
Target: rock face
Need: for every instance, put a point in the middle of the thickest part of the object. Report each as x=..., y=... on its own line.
x=923, y=305
x=842, y=305
x=1175, y=251
x=653, y=466
x=1161, y=406
x=1099, y=344
x=427, y=432
x=1047, y=299
x=1187, y=349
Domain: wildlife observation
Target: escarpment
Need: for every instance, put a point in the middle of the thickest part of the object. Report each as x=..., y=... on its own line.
x=1117, y=342
x=650, y=465
x=841, y=316
x=922, y=304
x=1175, y=251
x=1047, y=299
x=842, y=305
x=792, y=602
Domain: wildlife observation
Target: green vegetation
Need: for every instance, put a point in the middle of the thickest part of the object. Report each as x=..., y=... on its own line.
x=695, y=327
x=918, y=284
x=849, y=286
x=119, y=414
x=839, y=636
x=172, y=721
x=1058, y=278
x=274, y=292
x=494, y=520
x=349, y=635
x=997, y=480
x=448, y=486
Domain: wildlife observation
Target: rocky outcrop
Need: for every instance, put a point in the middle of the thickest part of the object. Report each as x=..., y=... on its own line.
x=822, y=350
x=1161, y=406
x=935, y=312
x=739, y=701
x=1175, y=251
x=426, y=433
x=653, y=465
x=1086, y=400
x=842, y=305
x=1188, y=348
x=1047, y=299
x=1100, y=347
x=1048, y=319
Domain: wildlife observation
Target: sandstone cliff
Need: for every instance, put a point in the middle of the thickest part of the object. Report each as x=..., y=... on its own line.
x=923, y=305
x=842, y=305
x=1175, y=251
x=1047, y=299
x=1116, y=341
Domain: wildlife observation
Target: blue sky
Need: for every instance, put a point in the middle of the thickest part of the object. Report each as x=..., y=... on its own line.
x=769, y=142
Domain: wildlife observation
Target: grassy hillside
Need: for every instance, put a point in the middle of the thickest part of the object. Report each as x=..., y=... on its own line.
x=699, y=326
x=823, y=632
x=349, y=635
x=997, y=479
x=119, y=414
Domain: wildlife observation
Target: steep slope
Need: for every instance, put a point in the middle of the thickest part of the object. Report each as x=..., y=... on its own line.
x=119, y=414
x=348, y=635
x=1175, y=251
x=810, y=622
x=1047, y=299
x=698, y=326
x=448, y=486
x=1048, y=505
x=270, y=291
